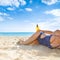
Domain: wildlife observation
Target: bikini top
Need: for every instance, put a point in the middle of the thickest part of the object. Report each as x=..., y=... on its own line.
x=44, y=41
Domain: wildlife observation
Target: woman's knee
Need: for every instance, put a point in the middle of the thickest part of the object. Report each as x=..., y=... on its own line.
x=57, y=32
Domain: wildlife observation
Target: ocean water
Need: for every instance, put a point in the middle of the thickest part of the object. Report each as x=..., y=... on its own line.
x=16, y=33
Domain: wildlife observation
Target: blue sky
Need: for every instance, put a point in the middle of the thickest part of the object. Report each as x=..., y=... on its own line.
x=23, y=15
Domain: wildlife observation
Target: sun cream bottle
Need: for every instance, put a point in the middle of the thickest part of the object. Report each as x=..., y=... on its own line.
x=37, y=28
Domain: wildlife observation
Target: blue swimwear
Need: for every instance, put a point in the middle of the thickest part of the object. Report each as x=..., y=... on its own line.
x=44, y=41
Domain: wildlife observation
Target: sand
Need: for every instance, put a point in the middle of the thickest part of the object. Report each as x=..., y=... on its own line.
x=9, y=50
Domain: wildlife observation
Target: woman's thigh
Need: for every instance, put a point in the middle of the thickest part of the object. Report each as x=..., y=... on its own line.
x=55, y=41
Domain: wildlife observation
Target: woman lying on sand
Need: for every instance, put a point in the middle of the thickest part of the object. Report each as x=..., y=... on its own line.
x=40, y=37
x=52, y=40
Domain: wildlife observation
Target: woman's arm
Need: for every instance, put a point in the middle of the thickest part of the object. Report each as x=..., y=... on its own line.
x=46, y=31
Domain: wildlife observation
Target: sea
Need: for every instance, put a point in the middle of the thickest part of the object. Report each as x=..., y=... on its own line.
x=16, y=33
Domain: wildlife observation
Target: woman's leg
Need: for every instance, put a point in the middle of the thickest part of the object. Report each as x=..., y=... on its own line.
x=31, y=39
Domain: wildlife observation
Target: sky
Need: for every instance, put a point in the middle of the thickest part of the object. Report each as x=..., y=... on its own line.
x=24, y=15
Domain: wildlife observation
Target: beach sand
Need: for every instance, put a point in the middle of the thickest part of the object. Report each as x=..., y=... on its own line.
x=9, y=50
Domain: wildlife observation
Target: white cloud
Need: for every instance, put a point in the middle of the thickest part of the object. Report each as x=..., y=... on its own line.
x=23, y=2
x=9, y=3
x=1, y=18
x=10, y=18
x=3, y=14
x=49, y=2
x=13, y=3
x=55, y=12
x=28, y=9
x=9, y=8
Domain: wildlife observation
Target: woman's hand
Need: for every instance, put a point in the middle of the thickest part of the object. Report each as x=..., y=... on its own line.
x=20, y=42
